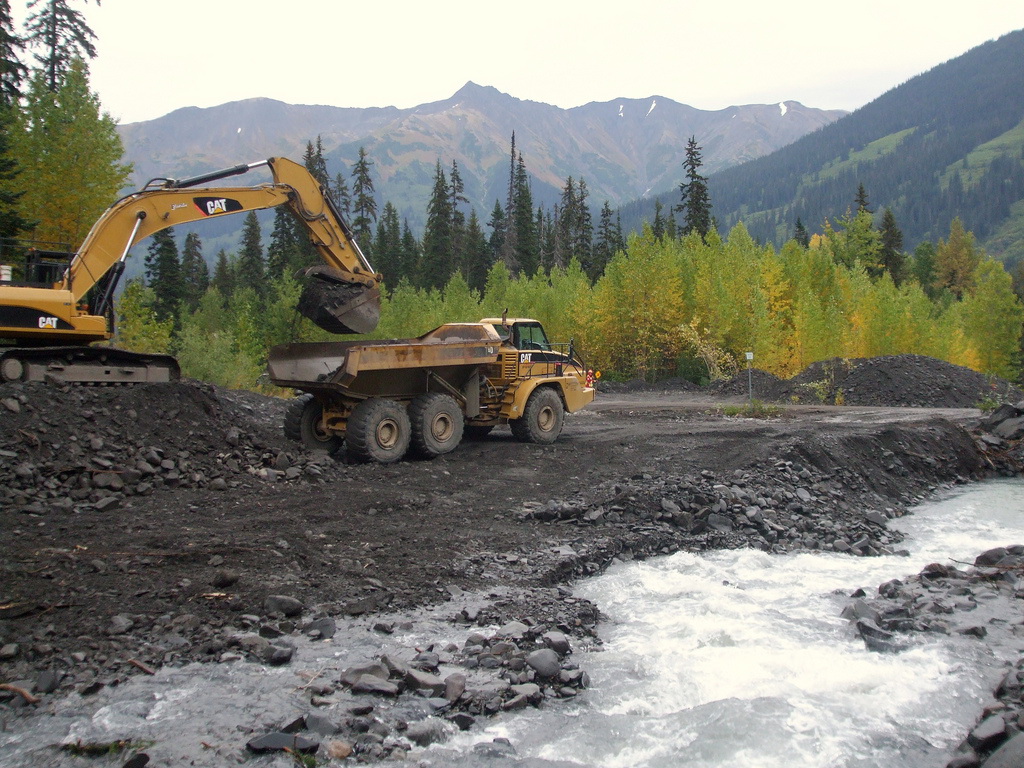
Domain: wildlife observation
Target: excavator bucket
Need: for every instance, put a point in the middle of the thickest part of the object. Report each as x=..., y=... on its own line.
x=336, y=304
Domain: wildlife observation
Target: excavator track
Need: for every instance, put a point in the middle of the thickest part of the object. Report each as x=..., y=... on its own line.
x=86, y=365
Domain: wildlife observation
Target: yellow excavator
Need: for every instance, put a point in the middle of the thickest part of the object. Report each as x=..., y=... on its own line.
x=54, y=304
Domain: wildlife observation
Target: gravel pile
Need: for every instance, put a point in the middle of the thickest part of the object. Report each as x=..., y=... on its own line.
x=79, y=449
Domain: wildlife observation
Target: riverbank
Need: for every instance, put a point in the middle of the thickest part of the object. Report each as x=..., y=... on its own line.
x=152, y=528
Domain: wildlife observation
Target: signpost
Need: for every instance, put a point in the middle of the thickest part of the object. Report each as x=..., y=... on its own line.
x=750, y=378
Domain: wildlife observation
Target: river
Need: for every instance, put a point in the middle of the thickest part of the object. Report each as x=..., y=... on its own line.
x=724, y=659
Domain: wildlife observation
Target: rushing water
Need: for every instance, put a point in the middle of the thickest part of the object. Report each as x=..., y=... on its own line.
x=736, y=658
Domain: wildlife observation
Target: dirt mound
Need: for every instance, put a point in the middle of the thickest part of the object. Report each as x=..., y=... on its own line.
x=898, y=381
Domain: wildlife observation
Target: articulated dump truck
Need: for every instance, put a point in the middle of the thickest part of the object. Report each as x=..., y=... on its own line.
x=386, y=398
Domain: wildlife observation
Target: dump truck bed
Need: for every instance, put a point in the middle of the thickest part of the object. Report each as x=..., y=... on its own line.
x=388, y=368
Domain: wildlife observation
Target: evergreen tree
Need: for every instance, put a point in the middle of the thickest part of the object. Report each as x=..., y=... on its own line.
x=477, y=260
x=457, y=198
x=163, y=274
x=658, y=225
x=289, y=250
x=436, y=264
x=509, y=246
x=410, y=252
x=801, y=235
x=387, y=248
x=313, y=159
x=609, y=241
x=224, y=275
x=924, y=268
x=12, y=71
x=195, y=275
x=12, y=224
x=861, y=200
x=892, y=257
x=72, y=153
x=696, y=202
x=340, y=195
x=251, y=269
x=62, y=35
x=583, y=236
x=364, y=206
x=522, y=224
x=498, y=225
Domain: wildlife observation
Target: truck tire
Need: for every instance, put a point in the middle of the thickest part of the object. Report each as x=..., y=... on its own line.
x=378, y=430
x=302, y=424
x=542, y=418
x=437, y=424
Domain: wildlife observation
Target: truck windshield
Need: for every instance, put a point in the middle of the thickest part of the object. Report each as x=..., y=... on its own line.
x=530, y=336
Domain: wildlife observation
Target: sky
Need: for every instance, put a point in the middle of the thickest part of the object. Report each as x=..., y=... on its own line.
x=155, y=57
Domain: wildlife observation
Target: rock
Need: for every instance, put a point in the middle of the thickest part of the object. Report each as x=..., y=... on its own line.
x=374, y=684
x=514, y=629
x=338, y=750
x=989, y=733
x=278, y=655
x=454, y=686
x=325, y=627
x=9, y=651
x=1009, y=755
x=351, y=675
x=224, y=578
x=317, y=723
x=426, y=732
x=48, y=681
x=282, y=604
x=278, y=741
x=544, y=662
x=499, y=747
x=424, y=681
x=557, y=641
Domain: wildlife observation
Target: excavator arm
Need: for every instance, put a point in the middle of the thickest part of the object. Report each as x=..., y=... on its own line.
x=341, y=295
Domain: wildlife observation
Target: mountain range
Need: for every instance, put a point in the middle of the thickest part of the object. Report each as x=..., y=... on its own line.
x=622, y=148
x=948, y=143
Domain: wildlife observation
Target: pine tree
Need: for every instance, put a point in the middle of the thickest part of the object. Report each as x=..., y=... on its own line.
x=801, y=235
x=340, y=195
x=314, y=161
x=527, y=243
x=861, y=200
x=607, y=245
x=924, y=268
x=477, y=261
x=387, y=247
x=62, y=35
x=583, y=239
x=12, y=224
x=497, y=225
x=457, y=198
x=696, y=202
x=12, y=71
x=436, y=265
x=195, y=275
x=289, y=250
x=163, y=274
x=509, y=246
x=892, y=257
x=224, y=275
x=364, y=206
x=251, y=269
x=658, y=225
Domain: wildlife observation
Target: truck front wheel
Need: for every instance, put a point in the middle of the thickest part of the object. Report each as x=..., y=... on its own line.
x=542, y=418
x=303, y=422
x=437, y=424
x=378, y=430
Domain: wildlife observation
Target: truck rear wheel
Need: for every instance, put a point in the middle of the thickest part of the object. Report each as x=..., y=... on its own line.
x=542, y=418
x=378, y=430
x=437, y=424
x=303, y=423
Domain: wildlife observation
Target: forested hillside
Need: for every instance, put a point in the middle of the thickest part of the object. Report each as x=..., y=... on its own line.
x=946, y=144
